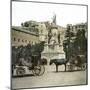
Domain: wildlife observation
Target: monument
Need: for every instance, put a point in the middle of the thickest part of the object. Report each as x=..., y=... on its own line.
x=53, y=48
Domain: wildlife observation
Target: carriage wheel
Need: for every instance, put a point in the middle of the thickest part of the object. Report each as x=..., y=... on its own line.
x=36, y=70
x=20, y=71
x=83, y=67
x=42, y=70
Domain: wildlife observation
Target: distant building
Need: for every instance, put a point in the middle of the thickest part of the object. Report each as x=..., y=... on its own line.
x=75, y=28
x=23, y=36
x=43, y=32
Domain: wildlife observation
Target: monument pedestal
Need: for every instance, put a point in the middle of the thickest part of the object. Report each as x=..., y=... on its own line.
x=52, y=52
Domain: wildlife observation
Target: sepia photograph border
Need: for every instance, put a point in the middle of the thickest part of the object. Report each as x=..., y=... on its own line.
x=11, y=41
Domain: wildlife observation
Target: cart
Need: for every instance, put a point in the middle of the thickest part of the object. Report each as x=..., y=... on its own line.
x=33, y=64
x=79, y=63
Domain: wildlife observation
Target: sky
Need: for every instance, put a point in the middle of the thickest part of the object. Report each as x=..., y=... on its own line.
x=65, y=14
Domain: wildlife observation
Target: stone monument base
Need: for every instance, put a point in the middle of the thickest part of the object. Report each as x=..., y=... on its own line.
x=52, y=55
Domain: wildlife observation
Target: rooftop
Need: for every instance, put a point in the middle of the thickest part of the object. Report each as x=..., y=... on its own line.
x=25, y=30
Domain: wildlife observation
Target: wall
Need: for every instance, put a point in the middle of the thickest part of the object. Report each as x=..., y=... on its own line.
x=22, y=38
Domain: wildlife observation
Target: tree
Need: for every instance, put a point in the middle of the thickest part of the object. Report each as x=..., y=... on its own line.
x=81, y=42
x=67, y=44
x=37, y=48
x=26, y=52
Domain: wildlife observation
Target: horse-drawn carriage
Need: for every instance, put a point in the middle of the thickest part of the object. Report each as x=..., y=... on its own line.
x=26, y=61
x=77, y=63
x=32, y=64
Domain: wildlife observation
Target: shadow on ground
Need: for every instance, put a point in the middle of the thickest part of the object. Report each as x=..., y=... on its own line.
x=66, y=71
x=26, y=75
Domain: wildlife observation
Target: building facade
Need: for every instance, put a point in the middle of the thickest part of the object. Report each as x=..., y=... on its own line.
x=75, y=28
x=23, y=36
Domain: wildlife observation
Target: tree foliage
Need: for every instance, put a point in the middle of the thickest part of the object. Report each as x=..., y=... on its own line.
x=26, y=51
x=77, y=46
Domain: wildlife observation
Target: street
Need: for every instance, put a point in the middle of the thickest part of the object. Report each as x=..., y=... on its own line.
x=50, y=78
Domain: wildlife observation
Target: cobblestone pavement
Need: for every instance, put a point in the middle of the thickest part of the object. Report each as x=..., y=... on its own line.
x=50, y=78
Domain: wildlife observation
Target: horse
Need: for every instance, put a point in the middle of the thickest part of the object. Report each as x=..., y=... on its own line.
x=58, y=62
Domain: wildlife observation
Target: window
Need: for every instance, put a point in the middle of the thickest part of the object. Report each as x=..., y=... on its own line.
x=14, y=39
x=32, y=43
x=25, y=40
x=76, y=27
x=18, y=40
x=35, y=43
x=29, y=42
x=41, y=31
x=22, y=40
